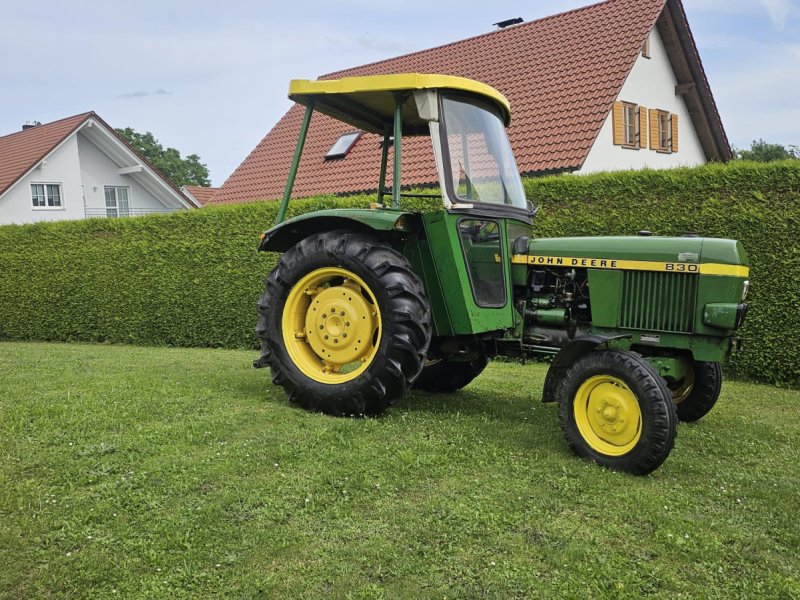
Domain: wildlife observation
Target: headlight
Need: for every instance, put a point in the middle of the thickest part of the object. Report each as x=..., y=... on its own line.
x=745, y=289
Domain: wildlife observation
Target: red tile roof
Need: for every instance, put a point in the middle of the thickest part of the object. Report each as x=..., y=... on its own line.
x=561, y=75
x=21, y=151
x=200, y=193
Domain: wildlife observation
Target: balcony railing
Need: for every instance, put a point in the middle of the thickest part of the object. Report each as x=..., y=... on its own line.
x=113, y=213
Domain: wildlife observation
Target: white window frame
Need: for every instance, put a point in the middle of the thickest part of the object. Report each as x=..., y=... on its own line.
x=630, y=124
x=116, y=201
x=665, y=133
x=45, y=184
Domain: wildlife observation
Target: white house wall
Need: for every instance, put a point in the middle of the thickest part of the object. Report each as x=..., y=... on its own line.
x=651, y=83
x=63, y=166
x=99, y=171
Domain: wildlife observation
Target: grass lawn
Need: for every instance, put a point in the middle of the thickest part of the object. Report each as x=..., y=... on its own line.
x=172, y=473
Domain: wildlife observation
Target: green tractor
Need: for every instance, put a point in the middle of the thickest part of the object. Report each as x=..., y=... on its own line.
x=365, y=304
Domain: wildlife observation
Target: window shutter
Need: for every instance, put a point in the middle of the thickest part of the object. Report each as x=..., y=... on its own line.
x=617, y=119
x=653, y=129
x=642, y=127
x=674, y=121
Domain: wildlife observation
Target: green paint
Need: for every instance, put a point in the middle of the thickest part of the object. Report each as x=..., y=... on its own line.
x=606, y=286
x=669, y=367
x=298, y=151
x=387, y=136
x=450, y=267
x=398, y=135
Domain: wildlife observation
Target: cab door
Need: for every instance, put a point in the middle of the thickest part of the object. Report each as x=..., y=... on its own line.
x=469, y=258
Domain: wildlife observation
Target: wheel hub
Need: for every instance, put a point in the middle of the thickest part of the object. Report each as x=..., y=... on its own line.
x=681, y=390
x=607, y=414
x=339, y=325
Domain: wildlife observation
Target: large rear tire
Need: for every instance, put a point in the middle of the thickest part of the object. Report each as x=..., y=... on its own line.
x=445, y=376
x=344, y=324
x=617, y=411
x=697, y=393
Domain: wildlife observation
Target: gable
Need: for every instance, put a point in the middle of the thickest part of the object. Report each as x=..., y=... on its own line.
x=21, y=151
x=82, y=155
x=648, y=89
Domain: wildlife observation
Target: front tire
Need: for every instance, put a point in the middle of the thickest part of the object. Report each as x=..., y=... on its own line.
x=344, y=324
x=697, y=393
x=617, y=411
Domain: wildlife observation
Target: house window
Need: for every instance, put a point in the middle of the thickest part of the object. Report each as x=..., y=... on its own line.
x=630, y=125
x=343, y=145
x=663, y=131
x=117, y=202
x=46, y=195
x=646, y=47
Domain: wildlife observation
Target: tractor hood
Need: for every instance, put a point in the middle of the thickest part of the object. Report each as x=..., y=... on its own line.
x=710, y=256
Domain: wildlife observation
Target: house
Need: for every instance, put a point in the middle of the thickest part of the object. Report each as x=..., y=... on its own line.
x=201, y=195
x=76, y=168
x=614, y=85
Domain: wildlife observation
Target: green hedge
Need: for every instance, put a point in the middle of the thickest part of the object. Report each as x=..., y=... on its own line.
x=192, y=279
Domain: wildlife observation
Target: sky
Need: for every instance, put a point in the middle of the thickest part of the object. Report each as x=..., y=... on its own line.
x=211, y=78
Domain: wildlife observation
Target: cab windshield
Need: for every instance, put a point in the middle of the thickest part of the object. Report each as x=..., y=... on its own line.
x=478, y=161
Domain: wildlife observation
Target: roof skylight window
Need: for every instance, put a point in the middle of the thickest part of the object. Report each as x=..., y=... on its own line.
x=343, y=145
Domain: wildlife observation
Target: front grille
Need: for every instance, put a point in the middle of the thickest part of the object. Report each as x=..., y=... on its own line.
x=658, y=301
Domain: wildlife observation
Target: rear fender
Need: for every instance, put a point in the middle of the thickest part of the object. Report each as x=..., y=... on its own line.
x=383, y=224
x=567, y=357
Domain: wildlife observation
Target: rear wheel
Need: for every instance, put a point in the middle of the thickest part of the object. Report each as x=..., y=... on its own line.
x=697, y=393
x=444, y=376
x=344, y=324
x=616, y=410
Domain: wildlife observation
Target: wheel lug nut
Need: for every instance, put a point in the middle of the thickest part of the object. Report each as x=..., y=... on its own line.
x=344, y=335
x=342, y=313
x=326, y=337
x=347, y=324
x=322, y=326
x=335, y=341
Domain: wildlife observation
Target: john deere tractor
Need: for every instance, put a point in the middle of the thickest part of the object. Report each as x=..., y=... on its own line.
x=365, y=304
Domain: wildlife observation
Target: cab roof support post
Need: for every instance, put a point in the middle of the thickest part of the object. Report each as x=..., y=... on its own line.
x=387, y=138
x=399, y=99
x=298, y=151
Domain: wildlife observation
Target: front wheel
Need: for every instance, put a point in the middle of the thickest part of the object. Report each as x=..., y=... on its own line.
x=697, y=393
x=344, y=324
x=617, y=411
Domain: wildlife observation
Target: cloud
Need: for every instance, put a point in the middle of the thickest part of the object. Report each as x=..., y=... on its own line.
x=777, y=10
x=144, y=94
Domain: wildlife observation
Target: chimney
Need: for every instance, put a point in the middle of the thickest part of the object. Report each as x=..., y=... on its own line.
x=508, y=23
x=31, y=125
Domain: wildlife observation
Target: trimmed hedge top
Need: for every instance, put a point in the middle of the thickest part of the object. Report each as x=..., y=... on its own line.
x=193, y=278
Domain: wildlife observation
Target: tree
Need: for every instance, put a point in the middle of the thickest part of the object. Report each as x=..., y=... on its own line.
x=761, y=151
x=180, y=171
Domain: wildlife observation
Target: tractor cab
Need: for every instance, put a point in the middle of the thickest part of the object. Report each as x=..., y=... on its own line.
x=463, y=249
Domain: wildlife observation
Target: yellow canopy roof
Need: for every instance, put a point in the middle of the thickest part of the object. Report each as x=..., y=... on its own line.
x=368, y=102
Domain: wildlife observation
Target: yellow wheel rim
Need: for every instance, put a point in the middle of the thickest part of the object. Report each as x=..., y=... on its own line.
x=682, y=389
x=608, y=416
x=331, y=325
